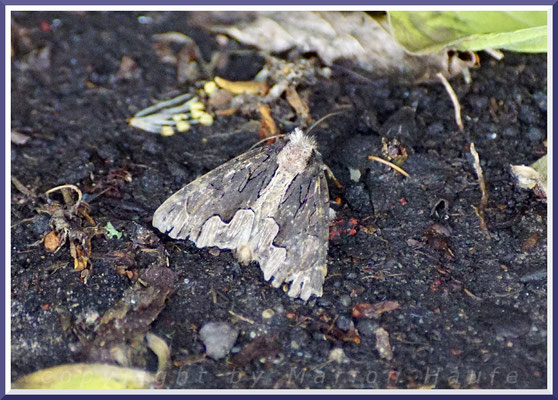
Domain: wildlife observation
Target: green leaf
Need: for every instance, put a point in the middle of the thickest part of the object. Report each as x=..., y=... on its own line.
x=423, y=32
x=112, y=232
x=86, y=376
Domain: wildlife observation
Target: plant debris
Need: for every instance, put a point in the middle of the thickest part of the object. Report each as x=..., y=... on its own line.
x=334, y=35
x=171, y=116
x=71, y=223
x=382, y=344
x=454, y=100
x=131, y=317
x=480, y=210
x=366, y=310
x=532, y=177
x=112, y=232
x=86, y=377
x=260, y=347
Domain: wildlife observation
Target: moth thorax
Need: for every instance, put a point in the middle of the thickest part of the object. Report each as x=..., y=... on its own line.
x=296, y=153
x=244, y=254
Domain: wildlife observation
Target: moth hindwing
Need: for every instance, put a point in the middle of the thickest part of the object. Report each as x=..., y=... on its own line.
x=268, y=205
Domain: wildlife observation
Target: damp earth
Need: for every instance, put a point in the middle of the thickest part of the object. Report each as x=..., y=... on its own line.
x=417, y=293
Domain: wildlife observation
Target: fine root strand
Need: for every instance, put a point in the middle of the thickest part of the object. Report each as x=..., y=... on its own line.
x=454, y=100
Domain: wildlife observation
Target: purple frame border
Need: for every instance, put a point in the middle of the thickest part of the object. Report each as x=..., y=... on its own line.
x=163, y=3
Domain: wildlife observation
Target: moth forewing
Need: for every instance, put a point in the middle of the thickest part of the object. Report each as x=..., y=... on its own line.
x=269, y=205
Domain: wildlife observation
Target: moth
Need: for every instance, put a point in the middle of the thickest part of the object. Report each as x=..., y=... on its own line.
x=269, y=205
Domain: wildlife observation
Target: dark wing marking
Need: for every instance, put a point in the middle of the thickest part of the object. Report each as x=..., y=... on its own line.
x=223, y=191
x=303, y=218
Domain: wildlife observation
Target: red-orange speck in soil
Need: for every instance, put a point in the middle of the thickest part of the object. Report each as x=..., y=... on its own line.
x=45, y=26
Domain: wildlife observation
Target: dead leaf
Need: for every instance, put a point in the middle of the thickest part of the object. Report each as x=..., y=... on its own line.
x=268, y=128
x=532, y=177
x=367, y=310
x=296, y=102
x=530, y=242
x=86, y=376
x=128, y=69
x=334, y=35
x=189, y=63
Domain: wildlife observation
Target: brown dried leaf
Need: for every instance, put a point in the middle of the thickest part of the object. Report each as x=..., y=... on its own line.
x=367, y=310
x=337, y=35
x=128, y=69
x=296, y=102
x=268, y=128
x=530, y=242
x=532, y=177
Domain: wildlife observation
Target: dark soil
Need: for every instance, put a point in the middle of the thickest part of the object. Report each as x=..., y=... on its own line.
x=473, y=309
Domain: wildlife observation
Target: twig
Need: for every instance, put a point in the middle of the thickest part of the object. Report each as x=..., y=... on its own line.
x=21, y=187
x=392, y=165
x=333, y=178
x=484, y=193
x=454, y=100
x=241, y=317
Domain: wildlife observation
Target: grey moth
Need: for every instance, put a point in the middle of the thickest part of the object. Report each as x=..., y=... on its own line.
x=269, y=205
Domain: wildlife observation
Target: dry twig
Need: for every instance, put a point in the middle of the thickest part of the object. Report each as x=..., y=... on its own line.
x=454, y=100
x=484, y=193
x=392, y=165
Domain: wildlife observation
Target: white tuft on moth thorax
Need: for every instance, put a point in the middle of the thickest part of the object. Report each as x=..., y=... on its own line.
x=296, y=153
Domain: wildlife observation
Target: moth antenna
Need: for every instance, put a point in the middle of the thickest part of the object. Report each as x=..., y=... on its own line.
x=266, y=139
x=324, y=118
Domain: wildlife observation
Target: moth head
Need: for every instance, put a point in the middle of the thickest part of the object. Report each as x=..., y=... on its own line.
x=296, y=153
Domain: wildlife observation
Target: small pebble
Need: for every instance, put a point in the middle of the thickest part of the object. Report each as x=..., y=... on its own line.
x=535, y=134
x=479, y=103
x=540, y=98
x=511, y=131
x=367, y=327
x=534, y=276
x=318, y=336
x=358, y=198
x=435, y=129
x=345, y=300
x=268, y=313
x=344, y=322
x=218, y=338
x=337, y=355
x=324, y=302
x=529, y=115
